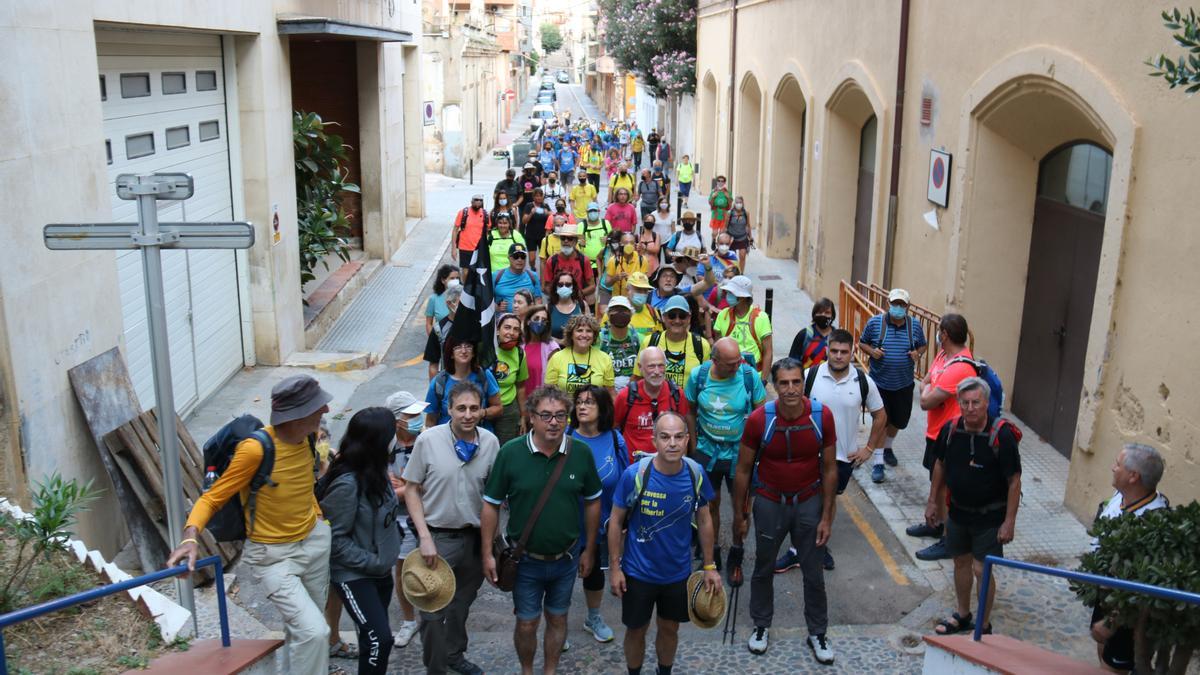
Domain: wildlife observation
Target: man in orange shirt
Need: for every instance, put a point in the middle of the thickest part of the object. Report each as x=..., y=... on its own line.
x=288, y=540
x=469, y=227
x=940, y=403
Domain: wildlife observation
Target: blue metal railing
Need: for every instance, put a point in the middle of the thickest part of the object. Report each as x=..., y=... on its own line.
x=1108, y=582
x=49, y=606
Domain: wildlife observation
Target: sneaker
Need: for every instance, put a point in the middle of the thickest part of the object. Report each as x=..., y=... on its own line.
x=408, y=629
x=788, y=561
x=819, y=645
x=890, y=457
x=934, y=551
x=827, y=562
x=566, y=645
x=923, y=530
x=877, y=473
x=758, y=641
x=599, y=630
x=464, y=667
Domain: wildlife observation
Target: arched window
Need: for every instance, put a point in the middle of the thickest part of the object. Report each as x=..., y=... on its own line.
x=1077, y=174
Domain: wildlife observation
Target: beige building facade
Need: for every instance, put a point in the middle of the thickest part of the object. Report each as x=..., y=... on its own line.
x=1067, y=236
x=98, y=88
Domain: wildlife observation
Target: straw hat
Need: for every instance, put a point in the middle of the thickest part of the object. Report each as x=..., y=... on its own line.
x=428, y=590
x=705, y=608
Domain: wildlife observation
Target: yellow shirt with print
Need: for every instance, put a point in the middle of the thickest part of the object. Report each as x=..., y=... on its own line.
x=570, y=371
x=582, y=195
x=645, y=320
x=551, y=244
x=619, y=264
x=285, y=512
x=619, y=181
x=682, y=358
x=741, y=330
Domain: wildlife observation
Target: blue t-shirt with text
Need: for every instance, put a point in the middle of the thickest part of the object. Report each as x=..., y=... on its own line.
x=610, y=463
x=658, y=545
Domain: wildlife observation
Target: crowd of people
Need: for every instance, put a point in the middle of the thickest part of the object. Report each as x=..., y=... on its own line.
x=631, y=376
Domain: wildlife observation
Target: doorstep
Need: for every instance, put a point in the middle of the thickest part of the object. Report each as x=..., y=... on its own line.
x=327, y=302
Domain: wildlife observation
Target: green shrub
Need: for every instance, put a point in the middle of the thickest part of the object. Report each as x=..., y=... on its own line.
x=320, y=186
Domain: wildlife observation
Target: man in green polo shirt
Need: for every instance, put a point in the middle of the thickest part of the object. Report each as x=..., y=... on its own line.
x=546, y=573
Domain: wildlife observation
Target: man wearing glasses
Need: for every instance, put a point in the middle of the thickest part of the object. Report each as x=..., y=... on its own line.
x=548, y=567
x=443, y=490
x=685, y=350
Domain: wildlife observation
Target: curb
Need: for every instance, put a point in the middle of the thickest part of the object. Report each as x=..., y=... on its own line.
x=331, y=362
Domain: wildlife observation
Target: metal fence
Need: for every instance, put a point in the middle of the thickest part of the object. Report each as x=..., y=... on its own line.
x=858, y=302
x=91, y=594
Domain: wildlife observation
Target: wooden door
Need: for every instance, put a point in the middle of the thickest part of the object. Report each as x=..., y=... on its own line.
x=864, y=202
x=1064, y=258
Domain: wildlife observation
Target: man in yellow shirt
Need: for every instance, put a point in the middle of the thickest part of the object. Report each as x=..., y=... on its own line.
x=288, y=540
x=621, y=179
x=625, y=263
x=581, y=195
x=685, y=350
x=645, y=318
x=745, y=322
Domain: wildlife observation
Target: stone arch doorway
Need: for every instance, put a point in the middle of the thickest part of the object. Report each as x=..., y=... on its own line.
x=786, y=171
x=744, y=181
x=1060, y=289
x=706, y=132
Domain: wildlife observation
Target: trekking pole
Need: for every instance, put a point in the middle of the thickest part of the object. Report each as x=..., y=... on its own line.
x=736, y=579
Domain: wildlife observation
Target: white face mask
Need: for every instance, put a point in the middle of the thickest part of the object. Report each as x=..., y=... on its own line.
x=568, y=250
x=453, y=283
x=722, y=248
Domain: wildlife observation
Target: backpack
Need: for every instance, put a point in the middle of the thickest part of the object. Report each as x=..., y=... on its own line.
x=697, y=345
x=641, y=478
x=993, y=436
x=633, y=397
x=487, y=219
x=811, y=378
x=907, y=328
x=229, y=522
x=748, y=377
x=496, y=277
x=769, y=428
x=733, y=322
x=442, y=378
x=983, y=370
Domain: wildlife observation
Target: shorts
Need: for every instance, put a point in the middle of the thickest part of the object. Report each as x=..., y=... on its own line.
x=685, y=189
x=929, y=458
x=740, y=245
x=978, y=539
x=1118, y=650
x=722, y=470
x=409, y=541
x=544, y=586
x=642, y=598
x=845, y=469
x=898, y=403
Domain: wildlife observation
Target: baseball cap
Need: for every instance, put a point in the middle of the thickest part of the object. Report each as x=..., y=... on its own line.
x=638, y=280
x=297, y=397
x=593, y=206
x=620, y=301
x=503, y=215
x=898, y=294
x=676, y=302
x=478, y=196
x=517, y=248
x=403, y=402
x=741, y=286
x=529, y=165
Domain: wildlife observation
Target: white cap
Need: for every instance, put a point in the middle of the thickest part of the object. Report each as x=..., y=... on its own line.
x=741, y=286
x=898, y=294
x=620, y=301
x=403, y=402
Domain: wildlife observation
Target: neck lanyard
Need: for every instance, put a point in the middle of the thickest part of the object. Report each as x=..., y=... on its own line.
x=576, y=363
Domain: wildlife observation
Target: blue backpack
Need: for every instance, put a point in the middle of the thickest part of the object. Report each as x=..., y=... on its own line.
x=983, y=370
x=748, y=377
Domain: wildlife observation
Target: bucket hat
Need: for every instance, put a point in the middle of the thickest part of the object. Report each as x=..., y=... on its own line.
x=297, y=397
x=705, y=608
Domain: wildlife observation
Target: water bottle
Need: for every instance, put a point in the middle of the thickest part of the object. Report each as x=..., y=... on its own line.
x=210, y=477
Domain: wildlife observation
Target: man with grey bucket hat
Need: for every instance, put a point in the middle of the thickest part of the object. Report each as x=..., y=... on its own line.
x=287, y=540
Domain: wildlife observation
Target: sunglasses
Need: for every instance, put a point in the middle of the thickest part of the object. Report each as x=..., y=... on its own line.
x=676, y=315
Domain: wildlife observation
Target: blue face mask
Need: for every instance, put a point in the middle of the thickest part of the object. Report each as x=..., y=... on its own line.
x=416, y=425
x=639, y=299
x=564, y=291
x=464, y=450
x=537, y=327
x=897, y=312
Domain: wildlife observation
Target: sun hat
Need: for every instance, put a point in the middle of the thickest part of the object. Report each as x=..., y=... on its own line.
x=569, y=230
x=688, y=215
x=898, y=294
x=676, y=302
x=689, y=252
x=639, y=280
x=740, y=286
x=705, y=608
x=404, y=403
x=620, y=301
x=297, y=397
x=429, y=590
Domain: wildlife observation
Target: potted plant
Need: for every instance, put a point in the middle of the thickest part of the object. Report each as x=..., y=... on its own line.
x=320, y=183
x=1159, y=548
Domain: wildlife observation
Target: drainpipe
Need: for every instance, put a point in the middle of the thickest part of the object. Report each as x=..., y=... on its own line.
x=902, y=62
x=732, y=83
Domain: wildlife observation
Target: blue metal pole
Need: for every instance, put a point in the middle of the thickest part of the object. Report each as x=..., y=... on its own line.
x=984, y=582
x=224, y=618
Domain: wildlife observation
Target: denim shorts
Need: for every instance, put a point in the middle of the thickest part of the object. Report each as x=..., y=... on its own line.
x=544, y=585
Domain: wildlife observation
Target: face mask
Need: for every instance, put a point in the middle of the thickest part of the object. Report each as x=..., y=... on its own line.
x=465, y=450
x=639, y=299
x=553, y=181
x=628, y=249
x=416, y=425
x=453, y=283
x=648, y=226
x=730, y=298
x=688, y=226
x=593, y=216
x=619, y=320
x=664, y=207
x=568, y=249
x=722, y=248
x=561, y=208
x=897, y=312
x=537, y=327
x=738, y=205
x=323, y=449
x=822, y=321
x=616, y=245
x=564, y=291
x=503, y=202
x=508, y=344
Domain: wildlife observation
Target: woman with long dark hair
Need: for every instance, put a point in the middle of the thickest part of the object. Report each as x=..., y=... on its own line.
x=357, y=499
x=460, y=362
x=435, y=308
x=567, y=303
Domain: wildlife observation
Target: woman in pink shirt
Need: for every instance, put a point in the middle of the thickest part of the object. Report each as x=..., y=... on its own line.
x=621, y=213
x=538, y=347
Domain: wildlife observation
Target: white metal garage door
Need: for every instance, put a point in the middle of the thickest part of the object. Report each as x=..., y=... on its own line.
x=164, y=110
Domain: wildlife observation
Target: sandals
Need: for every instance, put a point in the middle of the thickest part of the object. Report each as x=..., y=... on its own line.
x=956, y=623
x=343, y=650
x=337, y=670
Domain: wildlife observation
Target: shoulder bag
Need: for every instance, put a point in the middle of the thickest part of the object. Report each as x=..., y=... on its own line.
x=507, y=556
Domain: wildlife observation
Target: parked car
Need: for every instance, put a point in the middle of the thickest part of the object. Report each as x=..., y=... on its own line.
x=546, y=97
x=542, y=114
x=563, y=77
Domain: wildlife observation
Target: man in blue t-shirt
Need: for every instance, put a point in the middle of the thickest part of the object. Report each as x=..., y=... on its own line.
x=894, y=341
x=662, y=496
x=513, y=278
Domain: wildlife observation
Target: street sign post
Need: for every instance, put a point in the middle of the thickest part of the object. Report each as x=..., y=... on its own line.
x=151, y=237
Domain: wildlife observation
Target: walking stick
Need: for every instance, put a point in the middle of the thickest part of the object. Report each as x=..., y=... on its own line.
x=734, y=567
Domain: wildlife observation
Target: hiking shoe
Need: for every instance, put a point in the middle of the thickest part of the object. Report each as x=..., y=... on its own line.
x=934, y=551
x=758, y=641
x=923, y=530
x=890, y=457
x=877, y=473
x=599, y=630
x=788, y=561
x=566, y=644
x=464, y=667
x=819, y=645
x=827, y=561
x=408, y=629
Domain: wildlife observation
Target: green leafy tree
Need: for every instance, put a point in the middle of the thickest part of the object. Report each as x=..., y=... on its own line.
x=320, y=187
x=1160, y=548
x=1185, y=71
x=533, y=60
x=551, y=38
